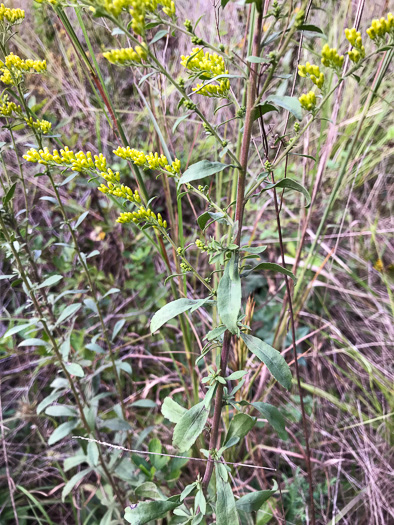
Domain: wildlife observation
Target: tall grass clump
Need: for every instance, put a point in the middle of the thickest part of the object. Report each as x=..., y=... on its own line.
x=160, y=329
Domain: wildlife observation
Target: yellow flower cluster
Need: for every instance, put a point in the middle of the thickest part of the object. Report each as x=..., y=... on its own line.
x=14, y=66
x=8, y=108
x=308, y=100
x=142, y=215
x=12, y=16
x=313, y=72
x=211, y=65
x=119, y=190
x=79, y=161
x=379, y=28
x=201, y=246
x=214, y=90
x=126, y=55
x=152, y=161
x=43, y=126
x=354, y=38
x=138, y=10
x=331, y=58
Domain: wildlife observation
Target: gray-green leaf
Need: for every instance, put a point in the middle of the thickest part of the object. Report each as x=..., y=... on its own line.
x=190, y=426
x=73, y=481
x=226, y=511
x=171, y=310
x=274, y=418
x=292, y=104
x=271, y=357
x=149, y=511
x=62, y=431
x=171, y=410
x=201, y=169
x=252, y=502
x=68, y=312
x=274, y=268
x=292, y=185
x=229, y=295
x=240, y=425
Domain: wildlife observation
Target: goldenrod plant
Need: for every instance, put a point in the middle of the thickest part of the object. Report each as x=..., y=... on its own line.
x=210, y=423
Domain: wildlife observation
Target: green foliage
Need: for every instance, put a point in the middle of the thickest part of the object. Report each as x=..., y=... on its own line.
x=84, y=376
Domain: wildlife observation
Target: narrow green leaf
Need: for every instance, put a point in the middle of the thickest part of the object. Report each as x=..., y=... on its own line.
x=291, y=104
x=8, y=196
x=73, y=481
x=171, y=410
x=62, y=431
x=144, y=403
x=149, y=511
x=17, y=329
x=61, y=410
x=75, y=369
x=257, y=60
x=158, y=36
x=253, y=249
x=200, y=170
x=229, y=295
x=117, y=328
x=208, y=217
x=50, y=281
x=274, y=418
x=240, y=425
x=93, y=454
x=169, y=311
x=292, y=185
x=226, y=511
x=271, y=357
x=81, y=218
x=273, y=267
x=254, y=500
x=70, y=310
x=33, y=342
x=190, y=426
x=48, y=400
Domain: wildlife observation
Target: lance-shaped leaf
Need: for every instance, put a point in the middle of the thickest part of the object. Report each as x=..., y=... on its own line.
x=190, y=426
x=273, y=359
x=229, y=295
x=240, y=425
x=274, y=418
x=273, y=267
x=171, y=310
x=291, y=185
x=226, y=511
x=292, y=104
x=201, y=169
x=148, y=511
x=171, y=410
x=252, y=502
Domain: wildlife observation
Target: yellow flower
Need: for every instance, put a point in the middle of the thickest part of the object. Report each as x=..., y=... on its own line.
x=354, y=38
x=313, y=72
x=40, y=125
x=12, y=16
x=379, y=28
x=151, y=161
x=211, y=65
x=127, y=55
x=308, y=100
x=331, y=58
x=14, y=67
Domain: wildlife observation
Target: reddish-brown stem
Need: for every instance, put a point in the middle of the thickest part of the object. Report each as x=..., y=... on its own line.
x=250, y=101
x=293, y=335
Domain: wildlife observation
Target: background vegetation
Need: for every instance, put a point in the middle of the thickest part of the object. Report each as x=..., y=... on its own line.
x=345, y=331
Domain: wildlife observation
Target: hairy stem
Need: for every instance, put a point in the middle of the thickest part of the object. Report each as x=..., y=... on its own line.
x=250, y=100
